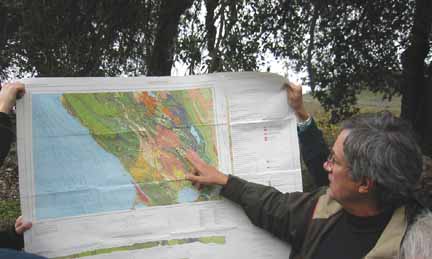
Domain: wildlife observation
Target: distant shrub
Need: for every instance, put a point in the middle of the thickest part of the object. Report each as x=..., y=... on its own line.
x=9, y=211
x=329, y=130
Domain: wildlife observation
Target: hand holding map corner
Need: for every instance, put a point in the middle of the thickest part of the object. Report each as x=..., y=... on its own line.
x=295, y=99
x=8, y=94
x=22, y=225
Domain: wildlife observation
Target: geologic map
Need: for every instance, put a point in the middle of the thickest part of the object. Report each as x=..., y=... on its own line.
x=102, y=164
x=144, y=133
x=149, y=132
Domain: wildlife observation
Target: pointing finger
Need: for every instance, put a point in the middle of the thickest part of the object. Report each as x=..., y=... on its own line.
x=192, y=178
x=195, y=160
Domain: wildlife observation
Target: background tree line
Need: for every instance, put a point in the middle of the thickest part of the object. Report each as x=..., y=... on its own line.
x=343, y=46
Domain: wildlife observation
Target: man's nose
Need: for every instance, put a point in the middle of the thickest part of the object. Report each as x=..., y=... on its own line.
x=327, y=166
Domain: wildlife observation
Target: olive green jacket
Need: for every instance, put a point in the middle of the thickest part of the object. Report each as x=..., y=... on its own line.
x=302, y=219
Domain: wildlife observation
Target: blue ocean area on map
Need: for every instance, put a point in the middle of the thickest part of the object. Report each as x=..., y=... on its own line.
x=73, y=174
x=187, y=195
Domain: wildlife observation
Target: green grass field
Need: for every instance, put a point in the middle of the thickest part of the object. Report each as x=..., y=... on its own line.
x=367, y=102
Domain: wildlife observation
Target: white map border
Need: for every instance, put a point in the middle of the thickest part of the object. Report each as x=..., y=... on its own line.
x=42, y=238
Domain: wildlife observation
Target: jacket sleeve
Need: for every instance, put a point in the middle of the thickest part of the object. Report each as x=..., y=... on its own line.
x=10, y=239
x=284, y=215
x=314, y=151
x=6, y=136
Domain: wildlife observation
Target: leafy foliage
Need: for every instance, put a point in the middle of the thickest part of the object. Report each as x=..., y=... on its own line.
x=79, y=38
x=350, y=45
x=229, y=39
x=343, y=46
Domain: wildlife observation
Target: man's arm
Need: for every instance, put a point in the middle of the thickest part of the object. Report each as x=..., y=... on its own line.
x=8, y=95
x=6, y=134
x=314, y=151
x=313, y=148
x=284, y=215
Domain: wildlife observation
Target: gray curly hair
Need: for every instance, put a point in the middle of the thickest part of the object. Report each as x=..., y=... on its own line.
x=383, y=148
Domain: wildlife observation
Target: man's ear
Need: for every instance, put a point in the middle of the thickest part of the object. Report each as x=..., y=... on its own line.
x=366, y=185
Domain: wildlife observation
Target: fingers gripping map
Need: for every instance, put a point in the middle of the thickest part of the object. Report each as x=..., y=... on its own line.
x=102, y=164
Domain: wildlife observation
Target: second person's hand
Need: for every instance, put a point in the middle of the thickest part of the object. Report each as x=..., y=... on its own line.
x=21, y=225
x=8, y=95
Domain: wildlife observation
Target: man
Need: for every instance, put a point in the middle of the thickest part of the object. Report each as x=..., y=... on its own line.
x=372, y=171
x=13, y=238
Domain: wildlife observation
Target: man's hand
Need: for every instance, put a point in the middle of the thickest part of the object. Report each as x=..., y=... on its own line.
x=295, y=100
x=203, y=173
x=22, y=226
x=8, y=95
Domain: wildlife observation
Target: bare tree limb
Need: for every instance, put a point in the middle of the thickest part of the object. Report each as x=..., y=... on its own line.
x=310, y=49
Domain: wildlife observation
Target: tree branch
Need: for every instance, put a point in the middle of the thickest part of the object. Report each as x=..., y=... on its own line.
x=414, y=85
x=166, y=34
x=211, y=32
x=310, y=49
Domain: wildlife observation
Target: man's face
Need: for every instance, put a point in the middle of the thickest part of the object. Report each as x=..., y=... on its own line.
x=342, y=187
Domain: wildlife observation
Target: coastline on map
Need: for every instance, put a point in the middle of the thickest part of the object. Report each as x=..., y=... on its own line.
x=73, y=174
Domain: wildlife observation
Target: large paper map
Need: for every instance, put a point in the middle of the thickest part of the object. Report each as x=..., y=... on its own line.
x=102, y=166
x=143, y=134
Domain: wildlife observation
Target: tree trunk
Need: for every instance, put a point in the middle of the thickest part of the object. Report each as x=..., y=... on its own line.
x=415, y=86
x=211, y=35
x=161, y=60
x=427, y=130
